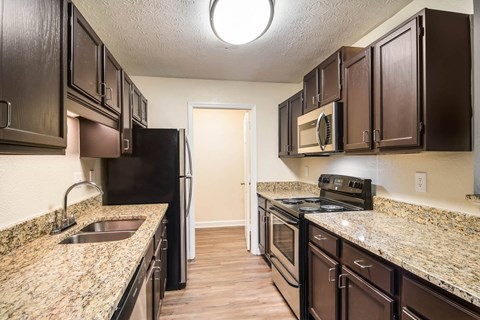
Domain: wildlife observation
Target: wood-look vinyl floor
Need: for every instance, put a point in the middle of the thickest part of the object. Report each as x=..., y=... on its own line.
x=226, y=282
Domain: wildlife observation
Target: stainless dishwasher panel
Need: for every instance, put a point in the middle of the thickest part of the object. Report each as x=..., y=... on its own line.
x=132, y=295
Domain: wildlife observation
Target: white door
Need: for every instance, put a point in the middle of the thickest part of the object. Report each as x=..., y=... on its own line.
x=247, y=178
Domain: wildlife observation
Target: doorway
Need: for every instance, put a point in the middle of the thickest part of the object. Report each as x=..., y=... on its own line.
x=224, y=161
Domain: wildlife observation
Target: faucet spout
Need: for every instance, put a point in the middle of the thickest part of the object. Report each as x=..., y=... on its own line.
x=66, y=223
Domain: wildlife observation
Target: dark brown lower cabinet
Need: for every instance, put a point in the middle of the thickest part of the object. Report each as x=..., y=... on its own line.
x=362, y=301
x=420, y=302
x=323, y=295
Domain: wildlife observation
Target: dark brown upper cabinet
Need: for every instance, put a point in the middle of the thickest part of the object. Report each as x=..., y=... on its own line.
x=324, y=84
x=33, y=76
x=310, y=91
x=112, y=78
x=94, y=75
x=288, y=112
x=422, y=84
x=144, y=112
x=137, y=105
x=126, y=119
x=357, y=105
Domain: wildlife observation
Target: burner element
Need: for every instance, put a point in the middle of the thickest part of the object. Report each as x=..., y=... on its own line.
x=312, y=200
x=310, y=209
x=292, y=201
x=332, y=207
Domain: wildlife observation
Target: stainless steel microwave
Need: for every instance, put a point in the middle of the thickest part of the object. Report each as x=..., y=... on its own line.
x=321, y=130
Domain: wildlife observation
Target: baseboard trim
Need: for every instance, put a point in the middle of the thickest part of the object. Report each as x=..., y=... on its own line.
x=219, y=224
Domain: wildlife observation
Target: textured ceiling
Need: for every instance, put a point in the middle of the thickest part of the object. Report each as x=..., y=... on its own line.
x=173, y=38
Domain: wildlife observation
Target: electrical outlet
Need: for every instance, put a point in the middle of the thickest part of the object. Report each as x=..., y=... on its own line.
x=77, y=177
x=420, y=182
x=91, y=176
x=305, y=173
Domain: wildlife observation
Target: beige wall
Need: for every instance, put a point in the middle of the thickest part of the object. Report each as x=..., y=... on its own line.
x=168, y=100
x=218, y=155
x=33, y=185
x=449, y=175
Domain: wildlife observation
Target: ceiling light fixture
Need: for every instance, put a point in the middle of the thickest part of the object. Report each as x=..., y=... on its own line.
x=240, y=21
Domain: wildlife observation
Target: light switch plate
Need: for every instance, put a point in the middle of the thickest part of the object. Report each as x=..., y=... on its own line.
x=77, y=177
x=420, y=182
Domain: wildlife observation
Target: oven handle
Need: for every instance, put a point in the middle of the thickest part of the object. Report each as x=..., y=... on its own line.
x=272, y=258
x=282, y=217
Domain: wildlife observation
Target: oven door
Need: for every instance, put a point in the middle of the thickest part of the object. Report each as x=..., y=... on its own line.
x=284, y=241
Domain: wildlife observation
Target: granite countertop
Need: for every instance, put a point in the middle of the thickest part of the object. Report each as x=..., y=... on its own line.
x=47, y=280
x=445, y=258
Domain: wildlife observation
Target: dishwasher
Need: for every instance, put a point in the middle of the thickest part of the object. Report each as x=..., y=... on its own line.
x=134, y=304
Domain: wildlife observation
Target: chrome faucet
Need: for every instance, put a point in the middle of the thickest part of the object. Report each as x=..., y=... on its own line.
x=67, y=223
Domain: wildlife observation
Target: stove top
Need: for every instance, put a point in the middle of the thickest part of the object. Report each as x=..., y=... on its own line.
x=299, y=206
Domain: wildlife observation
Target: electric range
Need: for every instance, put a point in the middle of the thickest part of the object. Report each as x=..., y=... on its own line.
x=288, y=230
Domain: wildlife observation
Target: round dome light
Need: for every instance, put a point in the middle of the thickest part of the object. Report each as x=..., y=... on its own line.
x=240, y=21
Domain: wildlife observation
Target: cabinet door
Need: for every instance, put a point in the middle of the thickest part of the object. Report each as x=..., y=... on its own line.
x=85, y=59
x=32, y=74
x=358, y=104
x=144, y=111
x=137, y=104
x=262, y=236
x=310, y=91
x=112, y=78
x=295, y=105
x=283, y=129
x=424, y=303
x=396, y=88
x=361, y=301
x=127, y=105
x=330, y=79
x=323, y=295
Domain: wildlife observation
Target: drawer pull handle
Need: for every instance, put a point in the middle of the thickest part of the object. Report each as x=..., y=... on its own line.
x=329, y=276
x=357, y=262
x=340, y=281
x=320, y=238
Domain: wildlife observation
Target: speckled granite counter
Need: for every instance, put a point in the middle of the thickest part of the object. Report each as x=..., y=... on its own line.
x=47, y=280
x=289, y=189
x=446, y=258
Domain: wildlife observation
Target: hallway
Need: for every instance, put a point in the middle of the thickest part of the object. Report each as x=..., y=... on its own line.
x=226, y=282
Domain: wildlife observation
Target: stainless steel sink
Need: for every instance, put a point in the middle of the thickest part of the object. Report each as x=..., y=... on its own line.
x=114, y=225
x=90, y=237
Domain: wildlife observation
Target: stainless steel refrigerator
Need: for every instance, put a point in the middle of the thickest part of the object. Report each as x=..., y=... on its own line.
x=158, y=171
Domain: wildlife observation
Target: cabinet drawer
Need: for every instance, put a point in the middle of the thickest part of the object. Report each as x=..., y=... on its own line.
x=421, y=302
x=262, y=202
x=369, y=267
x=324, y=240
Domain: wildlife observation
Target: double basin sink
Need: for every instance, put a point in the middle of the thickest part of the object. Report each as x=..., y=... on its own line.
x=105, y=231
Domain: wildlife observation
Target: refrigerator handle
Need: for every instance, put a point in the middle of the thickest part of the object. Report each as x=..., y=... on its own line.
x=189, y=176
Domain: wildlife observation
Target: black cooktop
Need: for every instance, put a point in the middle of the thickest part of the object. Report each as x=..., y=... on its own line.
x=300, y=206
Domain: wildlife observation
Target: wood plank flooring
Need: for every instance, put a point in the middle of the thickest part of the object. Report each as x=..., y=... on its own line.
x=226, y=282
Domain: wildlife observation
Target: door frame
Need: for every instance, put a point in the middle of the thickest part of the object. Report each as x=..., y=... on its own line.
x=252, y=108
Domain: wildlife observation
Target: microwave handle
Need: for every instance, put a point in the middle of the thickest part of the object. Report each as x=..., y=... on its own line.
x=319, y=140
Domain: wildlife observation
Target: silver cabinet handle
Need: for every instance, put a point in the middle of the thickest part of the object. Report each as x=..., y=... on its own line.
x=320, y=238
x=367, y=139
x=9, y=114
x=166, y=245
x=340, y=281
x=357, y=262
x=375, y=135
x=102, y=86
x=329, y=277
x=108, y=89
x=313, y=100
x=126, y=143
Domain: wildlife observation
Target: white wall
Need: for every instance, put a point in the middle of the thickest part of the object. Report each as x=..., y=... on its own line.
x=449, y=175
x=167, y=108
x=218, y=165
x=33, y=185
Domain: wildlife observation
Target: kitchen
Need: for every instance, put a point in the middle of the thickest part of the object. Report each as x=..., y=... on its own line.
x=34, y=185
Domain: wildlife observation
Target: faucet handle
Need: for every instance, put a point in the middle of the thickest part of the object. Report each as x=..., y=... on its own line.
x=72, y=217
